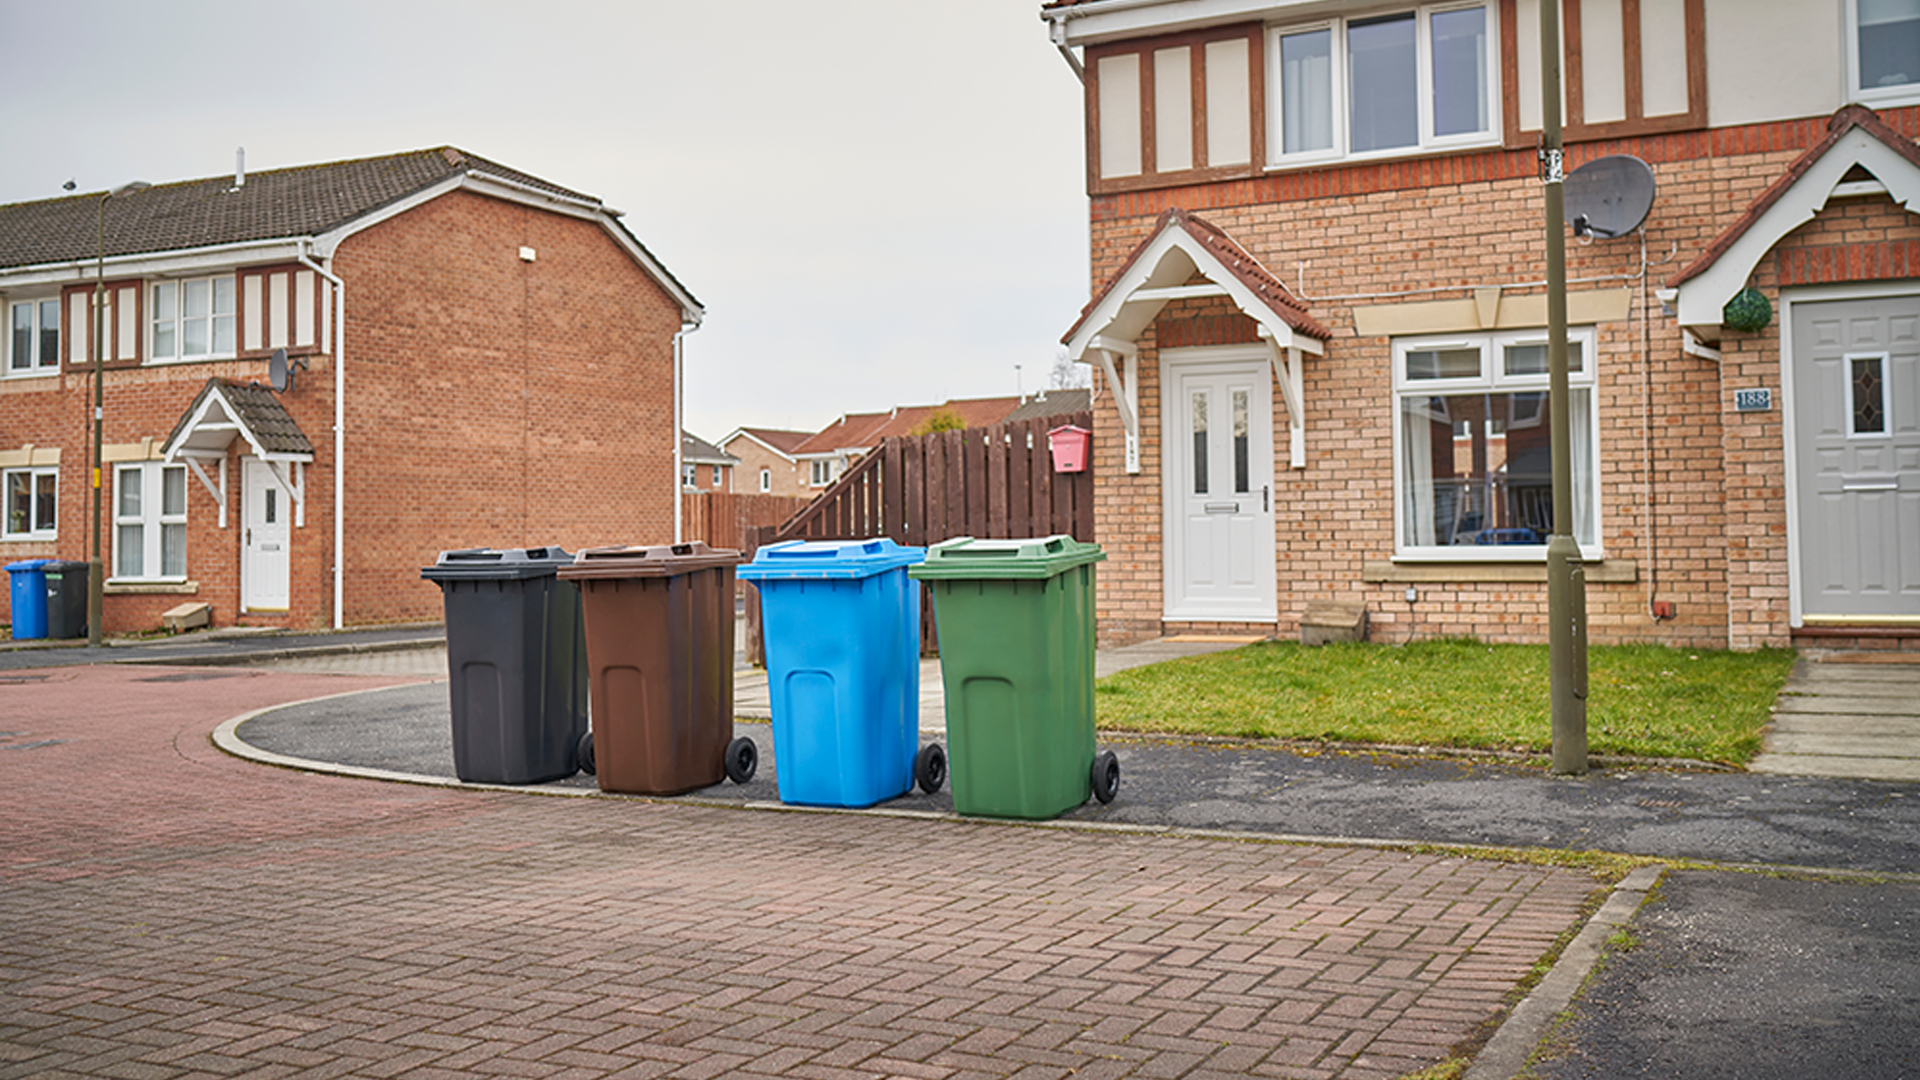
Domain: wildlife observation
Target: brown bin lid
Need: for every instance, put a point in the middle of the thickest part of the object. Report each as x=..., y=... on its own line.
x=643, y=561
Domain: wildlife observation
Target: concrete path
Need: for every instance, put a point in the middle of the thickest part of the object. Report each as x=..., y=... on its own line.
x=1847, y=715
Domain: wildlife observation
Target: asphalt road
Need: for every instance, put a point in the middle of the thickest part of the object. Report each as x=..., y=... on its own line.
x=1853, y=825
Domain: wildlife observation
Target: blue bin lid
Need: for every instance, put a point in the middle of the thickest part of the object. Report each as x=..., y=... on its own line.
x=828, y=560
x=28, y=565
x=495, y=564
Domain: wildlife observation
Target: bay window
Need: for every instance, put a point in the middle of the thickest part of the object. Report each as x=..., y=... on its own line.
x=193, y=319
x=1473, y=446
x=1410, y=80
x=150, y=521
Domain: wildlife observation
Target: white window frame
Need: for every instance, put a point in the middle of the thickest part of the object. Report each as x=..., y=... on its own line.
x=689, y=476
x=766, y=480
x=35, y=530
x=177, y=323
x=1493, y=380
x=820, y=472
x=152, y=519
x=1875, y=96
x=1427, y=141
x=38, y=364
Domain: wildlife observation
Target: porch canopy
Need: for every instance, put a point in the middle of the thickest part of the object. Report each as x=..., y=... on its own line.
x=1860, y=155
x=1164, y=268
x=224, y=411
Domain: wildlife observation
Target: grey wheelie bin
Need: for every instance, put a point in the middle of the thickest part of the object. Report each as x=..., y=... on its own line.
x=516, y=664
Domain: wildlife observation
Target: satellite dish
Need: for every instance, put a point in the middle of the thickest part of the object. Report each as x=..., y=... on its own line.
x=280, y=371
x=1609, y=196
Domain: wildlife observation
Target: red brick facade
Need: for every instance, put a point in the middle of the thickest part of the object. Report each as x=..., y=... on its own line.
x=1692, y=493
x=492, y=400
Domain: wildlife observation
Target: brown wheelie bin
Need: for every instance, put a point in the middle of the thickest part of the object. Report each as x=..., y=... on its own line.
x=660, y=668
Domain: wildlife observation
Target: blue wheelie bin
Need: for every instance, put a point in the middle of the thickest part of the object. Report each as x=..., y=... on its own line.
x=27, y=592
x=842, y=625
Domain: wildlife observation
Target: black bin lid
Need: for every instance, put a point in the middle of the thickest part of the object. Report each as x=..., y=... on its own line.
x=497, y=564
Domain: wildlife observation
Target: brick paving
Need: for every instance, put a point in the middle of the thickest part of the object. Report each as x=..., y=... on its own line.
x=166, y=911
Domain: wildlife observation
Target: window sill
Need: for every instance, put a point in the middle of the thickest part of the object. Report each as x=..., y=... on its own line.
x=1598, y=572
x=29, y=538
x=36, y=373
x=151, y=588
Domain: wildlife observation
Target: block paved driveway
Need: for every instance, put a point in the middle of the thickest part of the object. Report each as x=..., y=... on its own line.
x=168, y=911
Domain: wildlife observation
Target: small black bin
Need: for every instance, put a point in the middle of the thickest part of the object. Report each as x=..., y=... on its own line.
x=66, y=598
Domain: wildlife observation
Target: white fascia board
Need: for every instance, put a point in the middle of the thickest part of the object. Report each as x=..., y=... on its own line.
x=1700, y=299
x=155, y=264
x=1136, y=296
x=1112, y=20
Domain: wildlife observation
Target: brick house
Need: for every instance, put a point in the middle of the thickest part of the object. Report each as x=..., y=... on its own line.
x=477, y=357
x=704, y=466
x=830, y=451
x=767, y=465
x=1318, y=325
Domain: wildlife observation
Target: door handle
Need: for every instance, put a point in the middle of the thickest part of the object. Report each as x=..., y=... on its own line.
x=1266, y=497
x=249, y=540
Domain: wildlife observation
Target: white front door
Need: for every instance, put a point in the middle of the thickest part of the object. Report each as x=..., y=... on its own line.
x=265, y=555
x=1217, y=434
x=1856, y=459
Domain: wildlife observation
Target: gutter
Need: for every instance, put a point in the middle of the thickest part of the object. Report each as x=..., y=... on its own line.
x=339, y=344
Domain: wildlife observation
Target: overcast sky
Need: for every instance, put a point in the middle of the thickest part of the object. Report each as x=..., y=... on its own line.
x=879, y=202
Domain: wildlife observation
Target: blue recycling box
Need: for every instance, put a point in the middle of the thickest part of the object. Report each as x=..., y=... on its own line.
x=842, y=629
x=28, y=594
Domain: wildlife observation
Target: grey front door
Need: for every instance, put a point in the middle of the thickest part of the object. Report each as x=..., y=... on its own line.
x=1856, y=456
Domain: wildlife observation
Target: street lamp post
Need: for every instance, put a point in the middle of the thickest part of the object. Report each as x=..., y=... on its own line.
x=96, y=569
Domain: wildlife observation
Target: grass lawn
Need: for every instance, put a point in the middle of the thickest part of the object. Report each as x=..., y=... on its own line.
x=1642, y=700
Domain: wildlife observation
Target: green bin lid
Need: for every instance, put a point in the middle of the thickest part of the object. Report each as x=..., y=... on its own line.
x=643, y=561
x=963, y=557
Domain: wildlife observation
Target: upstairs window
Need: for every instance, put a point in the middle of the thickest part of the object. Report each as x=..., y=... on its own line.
x=33, y=338
x=766, y=480
x=1410, y=80
x=193, y=319
x=1884, y=46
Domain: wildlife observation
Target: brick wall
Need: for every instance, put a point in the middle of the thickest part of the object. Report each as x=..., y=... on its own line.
x=494, y=402
x=1692, y=493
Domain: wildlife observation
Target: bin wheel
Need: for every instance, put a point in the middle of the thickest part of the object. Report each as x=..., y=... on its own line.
x=930, y=767
x=1106, y=776
x=585, y=754
x=743, y=758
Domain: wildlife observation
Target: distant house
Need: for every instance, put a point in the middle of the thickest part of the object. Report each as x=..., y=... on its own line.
x=827, y=454
x=704, y=466
x=767, y=465
x=477, y=357
x=1049, y=403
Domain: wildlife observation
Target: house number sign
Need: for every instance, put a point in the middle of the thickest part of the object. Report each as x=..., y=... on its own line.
x=1753, y=400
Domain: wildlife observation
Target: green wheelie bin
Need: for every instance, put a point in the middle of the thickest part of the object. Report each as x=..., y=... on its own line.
x=1015, y=619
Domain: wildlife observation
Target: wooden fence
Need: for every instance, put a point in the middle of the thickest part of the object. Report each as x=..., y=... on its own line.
x=990, y=483
x=994, y=482
x=725, y=520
